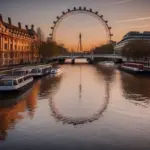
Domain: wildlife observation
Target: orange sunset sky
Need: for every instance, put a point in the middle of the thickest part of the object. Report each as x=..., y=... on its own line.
x=122, y=15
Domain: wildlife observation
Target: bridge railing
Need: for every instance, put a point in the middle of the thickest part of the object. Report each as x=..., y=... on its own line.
x=115, y=56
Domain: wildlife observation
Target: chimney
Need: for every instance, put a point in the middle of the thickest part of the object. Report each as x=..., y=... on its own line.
x=32, y=27
x=9, y=20
x=1, y=18
x=26, y=27
x=19, y=25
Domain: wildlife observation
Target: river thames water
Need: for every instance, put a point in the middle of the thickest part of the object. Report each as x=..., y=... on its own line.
x=86, y=107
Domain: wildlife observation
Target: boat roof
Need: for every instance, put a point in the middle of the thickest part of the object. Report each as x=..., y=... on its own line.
x=11, y=77
x=28, y=67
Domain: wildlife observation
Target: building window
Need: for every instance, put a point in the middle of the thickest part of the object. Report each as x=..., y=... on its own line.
x=11, y=46
x=6, y=46
x=0, y=42
x=15, y=47
x=5, y=38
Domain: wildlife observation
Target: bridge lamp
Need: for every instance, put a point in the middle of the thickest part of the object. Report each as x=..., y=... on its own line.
x=80, y=8
x=68, y=10
x=54, y=22
x=96, y=12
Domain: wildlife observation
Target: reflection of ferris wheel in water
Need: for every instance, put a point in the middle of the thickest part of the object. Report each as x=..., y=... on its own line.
x=81, y=120
x=83, y=10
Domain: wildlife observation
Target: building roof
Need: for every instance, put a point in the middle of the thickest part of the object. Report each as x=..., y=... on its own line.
x=15, y=28
x=18, y=28
x=11, y=77
x=135, y=35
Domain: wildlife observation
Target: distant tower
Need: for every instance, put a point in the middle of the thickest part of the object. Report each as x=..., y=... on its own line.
x=80, y=48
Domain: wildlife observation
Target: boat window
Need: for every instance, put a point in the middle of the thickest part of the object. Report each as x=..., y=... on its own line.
x=34, y=71
x=15, y=82
x=27, y=77
x=44, y=70
x=39, y=71
x=5, y=82
x=20, y=80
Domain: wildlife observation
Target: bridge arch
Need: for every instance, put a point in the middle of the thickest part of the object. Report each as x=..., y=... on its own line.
x=82, y=10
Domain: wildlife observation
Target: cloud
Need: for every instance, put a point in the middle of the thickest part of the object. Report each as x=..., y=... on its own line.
x=122, y=2
x=130, y=20
x=133, y=27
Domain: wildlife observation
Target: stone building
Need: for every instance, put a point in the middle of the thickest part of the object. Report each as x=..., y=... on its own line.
x=17, y=45
x=129, y=37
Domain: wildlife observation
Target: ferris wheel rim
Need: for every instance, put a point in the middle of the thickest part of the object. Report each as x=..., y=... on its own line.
x=80, y=10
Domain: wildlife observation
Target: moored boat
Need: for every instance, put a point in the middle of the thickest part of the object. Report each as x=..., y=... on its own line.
x=20, y=72
x=28, y=68
x=40, y=71
x=56, y=70
x=134, y=68
x=15, y=83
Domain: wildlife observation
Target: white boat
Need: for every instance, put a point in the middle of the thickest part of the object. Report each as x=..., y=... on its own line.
x=13, y=83
x=40, y=71
x=56, y=70
x=20, y=72
x=28, y=68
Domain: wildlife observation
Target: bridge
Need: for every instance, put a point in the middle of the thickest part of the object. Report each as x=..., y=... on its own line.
x=90, y=57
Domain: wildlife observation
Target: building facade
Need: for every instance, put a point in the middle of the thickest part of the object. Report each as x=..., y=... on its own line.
x=17, y=45
x=131, y=36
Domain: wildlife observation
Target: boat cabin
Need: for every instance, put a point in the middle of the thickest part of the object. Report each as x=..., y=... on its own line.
x=11, y=83
x=40, y=71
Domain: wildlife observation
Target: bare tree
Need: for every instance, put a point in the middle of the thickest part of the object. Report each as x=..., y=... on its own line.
x=104, y=49
x=40, y=34
x=51, y=49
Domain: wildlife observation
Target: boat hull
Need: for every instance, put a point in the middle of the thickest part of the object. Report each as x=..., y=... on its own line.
x=21, y=89
x=144, y=72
